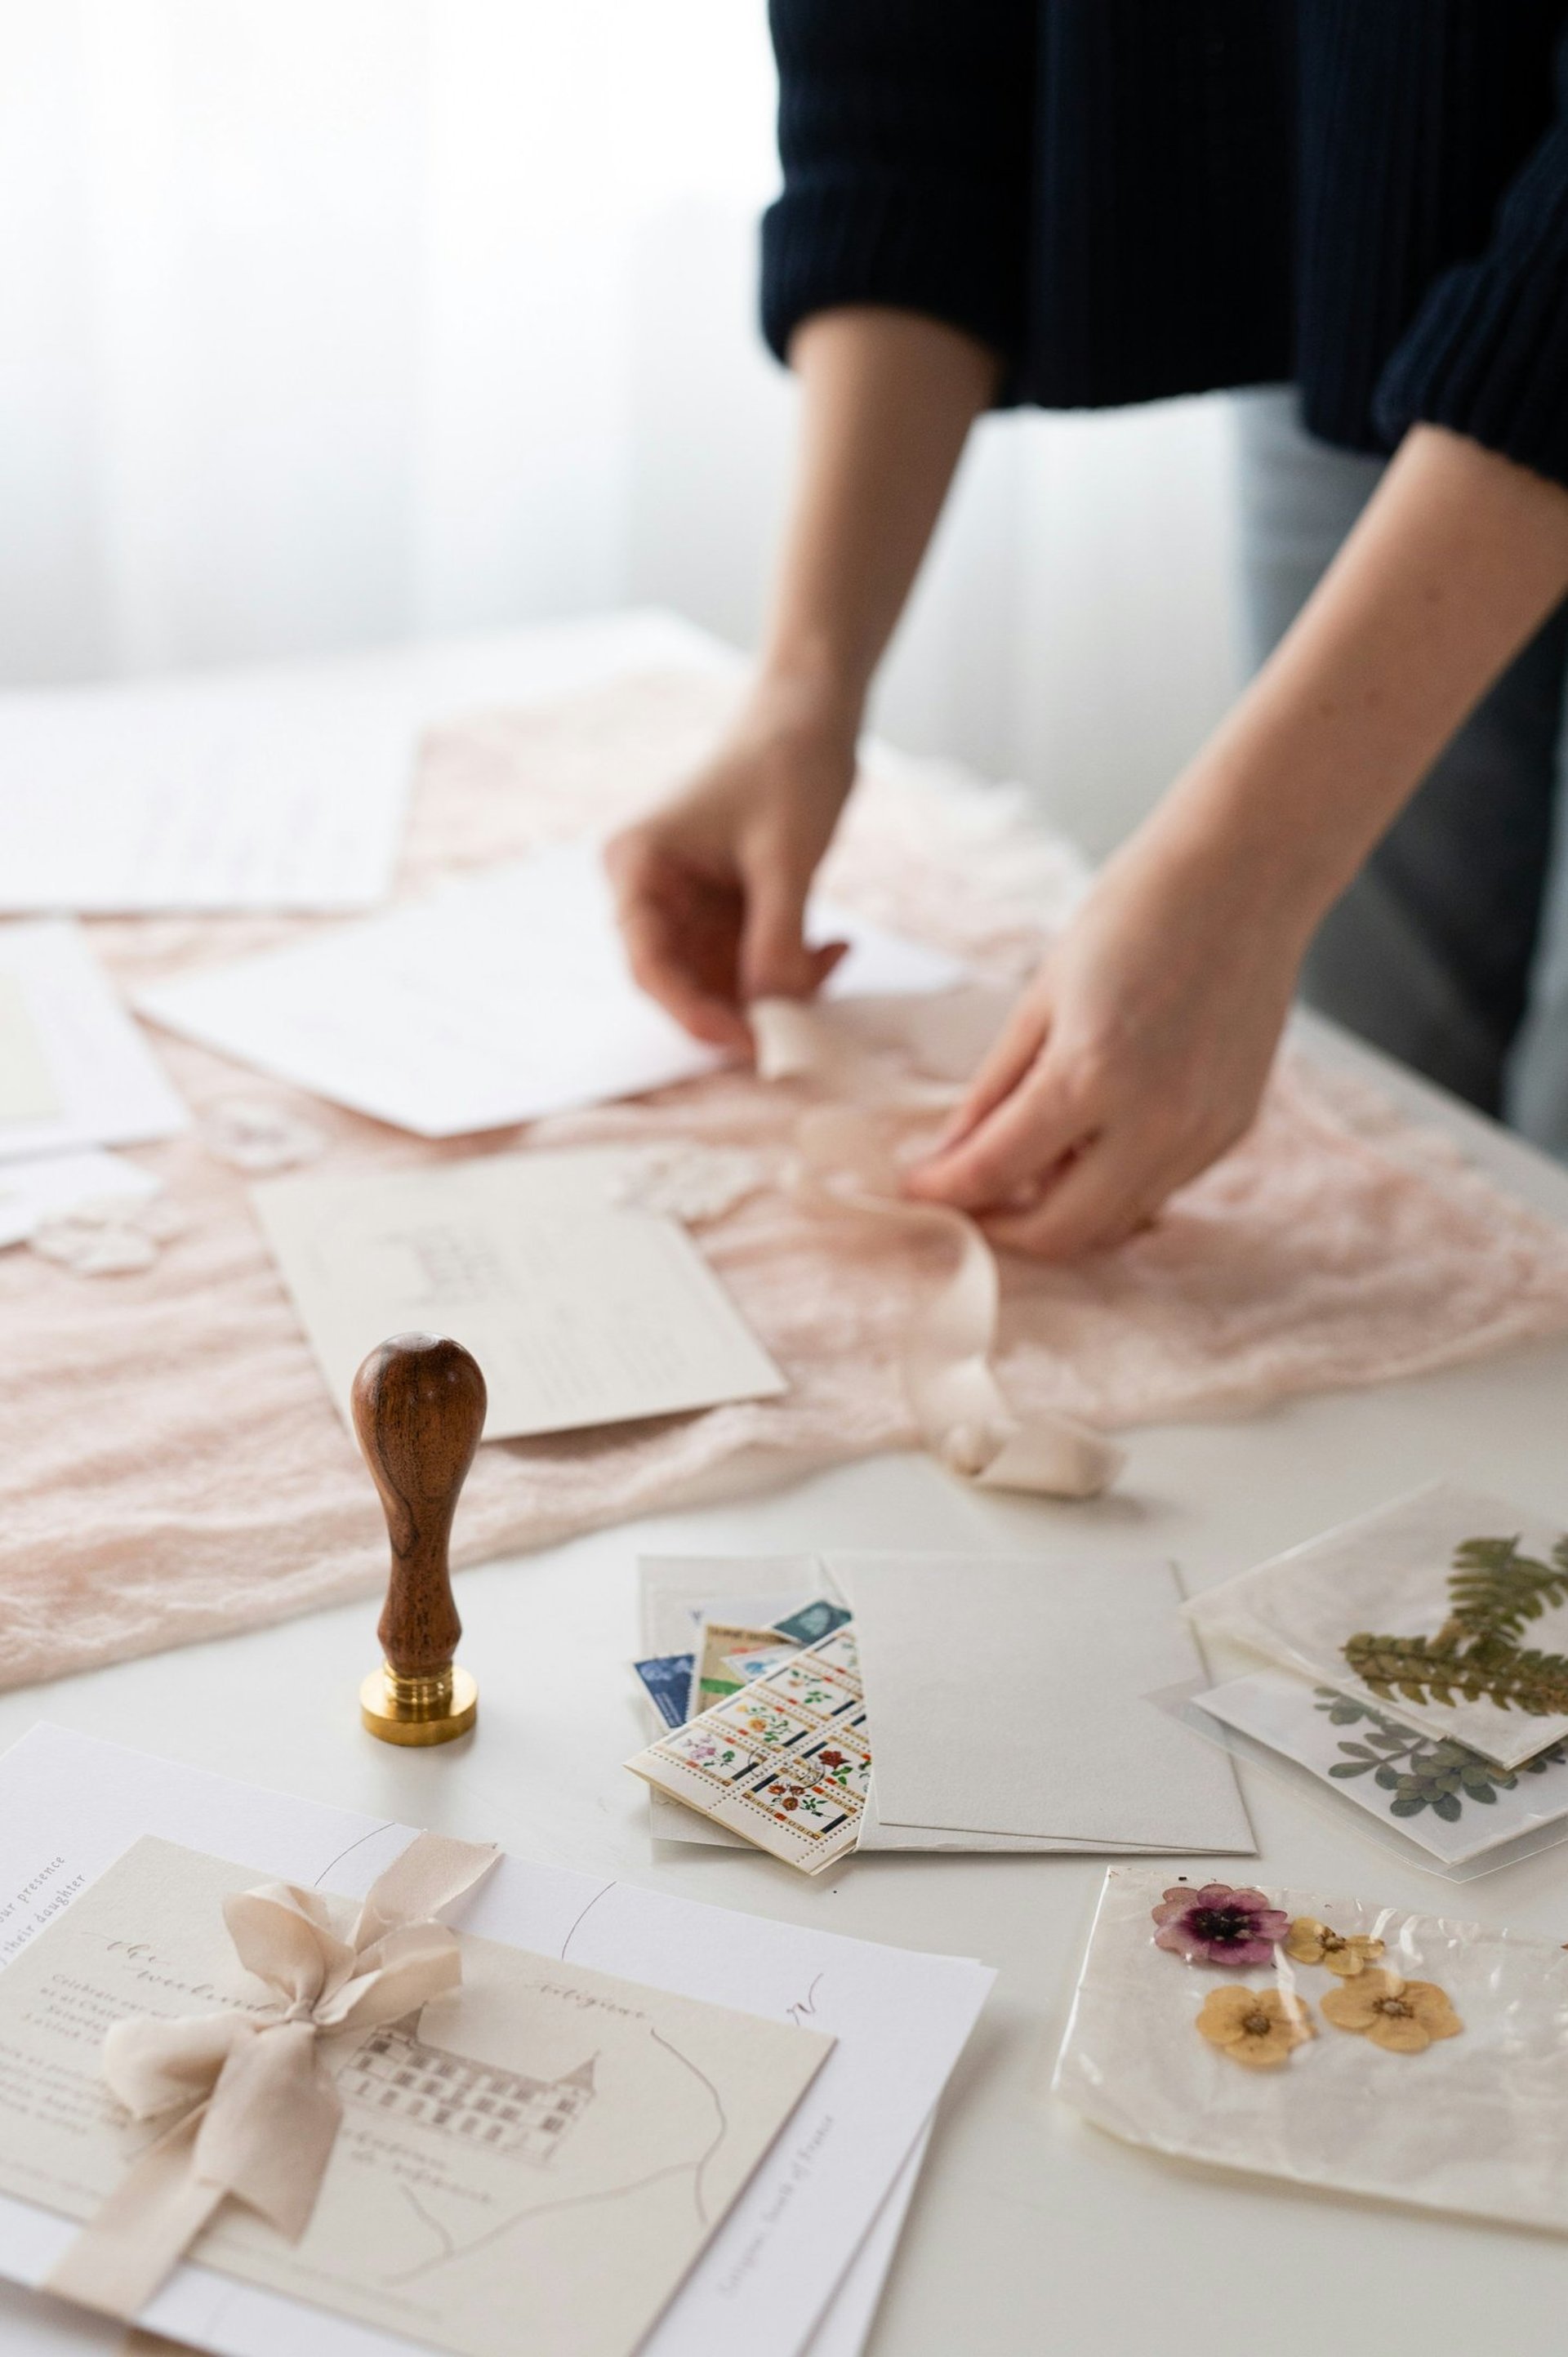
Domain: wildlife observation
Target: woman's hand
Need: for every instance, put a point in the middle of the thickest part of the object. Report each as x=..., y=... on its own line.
x=1134, y=1059
x=711, y=887
x=1141, y=1051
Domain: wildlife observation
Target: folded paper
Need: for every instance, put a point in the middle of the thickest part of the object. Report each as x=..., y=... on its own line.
x=845, y=1163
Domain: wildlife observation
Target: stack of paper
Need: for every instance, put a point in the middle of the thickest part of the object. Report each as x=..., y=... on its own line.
x=581, y=1311
x=1417, y=1671
x=75, y=1075
x=1005, y=1703
x=501, y=999
x=797, y=2265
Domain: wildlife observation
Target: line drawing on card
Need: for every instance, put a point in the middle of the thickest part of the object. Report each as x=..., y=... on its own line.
x=695, y=2166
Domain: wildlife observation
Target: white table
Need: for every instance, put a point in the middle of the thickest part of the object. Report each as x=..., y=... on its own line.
x=1031, y=2236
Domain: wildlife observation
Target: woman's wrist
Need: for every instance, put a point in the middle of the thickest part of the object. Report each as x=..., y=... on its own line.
x=806, y=713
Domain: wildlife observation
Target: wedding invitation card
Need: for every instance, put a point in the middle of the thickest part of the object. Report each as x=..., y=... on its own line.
x=543, y=2142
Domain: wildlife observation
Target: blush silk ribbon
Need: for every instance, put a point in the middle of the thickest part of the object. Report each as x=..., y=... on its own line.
x=251, y=2108
x=844, y=1163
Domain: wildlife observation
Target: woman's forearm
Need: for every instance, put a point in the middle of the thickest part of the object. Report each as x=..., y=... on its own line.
x=1455, y=562
x=888, y=398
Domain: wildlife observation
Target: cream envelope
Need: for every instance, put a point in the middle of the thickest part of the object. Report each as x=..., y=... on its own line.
x=1393, y=1575
x=1006, y=1698
x=581, y=1311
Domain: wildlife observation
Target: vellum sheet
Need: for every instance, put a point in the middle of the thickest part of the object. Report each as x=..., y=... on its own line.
x=533, y=2161
x=1387, y=1574
x=1478, y=2122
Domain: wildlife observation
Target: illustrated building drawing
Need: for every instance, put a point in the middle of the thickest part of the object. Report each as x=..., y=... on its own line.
x=396, y=2074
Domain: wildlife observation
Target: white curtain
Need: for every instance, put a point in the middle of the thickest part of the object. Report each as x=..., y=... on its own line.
x=326, y=322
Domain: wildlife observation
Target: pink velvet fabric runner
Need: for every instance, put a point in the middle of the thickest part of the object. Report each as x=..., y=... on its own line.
x=173, y=1469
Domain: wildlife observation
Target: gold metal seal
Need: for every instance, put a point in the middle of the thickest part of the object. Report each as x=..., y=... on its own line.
x=418, y=1710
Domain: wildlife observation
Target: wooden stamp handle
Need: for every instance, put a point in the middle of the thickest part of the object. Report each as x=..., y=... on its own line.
x=419, y=1409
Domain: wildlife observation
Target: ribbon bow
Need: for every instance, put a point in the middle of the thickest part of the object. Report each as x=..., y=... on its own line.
x=843, y=1164
x=256, y=2111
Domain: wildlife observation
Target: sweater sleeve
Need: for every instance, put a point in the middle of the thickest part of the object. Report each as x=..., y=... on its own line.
x=905, y=135
x=1486, y=355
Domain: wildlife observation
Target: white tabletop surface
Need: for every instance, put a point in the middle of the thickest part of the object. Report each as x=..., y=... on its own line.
x=1030, y=2232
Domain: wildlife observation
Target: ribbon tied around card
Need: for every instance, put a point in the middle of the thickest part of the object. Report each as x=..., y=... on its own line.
x=844, y=1163
x=249, y=2106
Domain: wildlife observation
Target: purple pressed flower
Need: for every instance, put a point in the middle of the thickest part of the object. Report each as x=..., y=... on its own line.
x=1217, y=1925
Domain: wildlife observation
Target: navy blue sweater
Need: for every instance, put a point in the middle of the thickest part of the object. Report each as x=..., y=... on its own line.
x=1134, y=198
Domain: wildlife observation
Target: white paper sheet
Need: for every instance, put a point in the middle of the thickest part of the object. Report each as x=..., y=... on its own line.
x=70, y=1806
x=1006, y=1696
x=580, y=1311
x=51, y=1184
x=501, y=999
x=107, y=1086
x=237, y=791
x=280, y=786
x=27, y=1092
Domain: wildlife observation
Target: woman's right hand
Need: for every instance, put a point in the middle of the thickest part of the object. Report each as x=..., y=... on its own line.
x=711, y=887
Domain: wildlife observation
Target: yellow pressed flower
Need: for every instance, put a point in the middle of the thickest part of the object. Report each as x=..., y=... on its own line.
x=1309, y=1941
x=1402, y=2016
x=1258, y=2027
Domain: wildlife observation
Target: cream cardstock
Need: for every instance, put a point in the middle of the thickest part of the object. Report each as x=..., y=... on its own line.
x=104, y=1085
x=1476, y=2123
x=580, y=1310
x=1387, y=1574
x=495, y=2148
x=501, y=998
x=1006, y=1696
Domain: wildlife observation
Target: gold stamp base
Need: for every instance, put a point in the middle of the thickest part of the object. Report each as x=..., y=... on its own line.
x=418, y=1710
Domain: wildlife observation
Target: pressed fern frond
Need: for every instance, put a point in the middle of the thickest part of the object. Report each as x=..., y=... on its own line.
x=1496, y=1590
x=1491, y=1670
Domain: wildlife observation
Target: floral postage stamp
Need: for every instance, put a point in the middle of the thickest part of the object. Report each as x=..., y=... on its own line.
x=786, y=1763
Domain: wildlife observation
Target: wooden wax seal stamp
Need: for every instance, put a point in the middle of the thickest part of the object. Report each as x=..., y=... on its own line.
x=419, y=1409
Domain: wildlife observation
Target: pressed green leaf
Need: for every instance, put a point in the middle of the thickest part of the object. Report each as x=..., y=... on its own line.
x=1447, y=1807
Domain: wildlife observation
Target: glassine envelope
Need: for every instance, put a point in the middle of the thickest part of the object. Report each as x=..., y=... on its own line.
x=581, y=1311
x=1464, y=1594
x=545, y=2147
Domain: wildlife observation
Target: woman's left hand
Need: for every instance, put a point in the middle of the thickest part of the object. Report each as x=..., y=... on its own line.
x=1138, y=1054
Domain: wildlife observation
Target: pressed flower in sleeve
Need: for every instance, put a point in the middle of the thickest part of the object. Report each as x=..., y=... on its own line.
x=1217, y=1925
x=1260, y=2028
x=1402, y=2016
x=1312, y=1943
